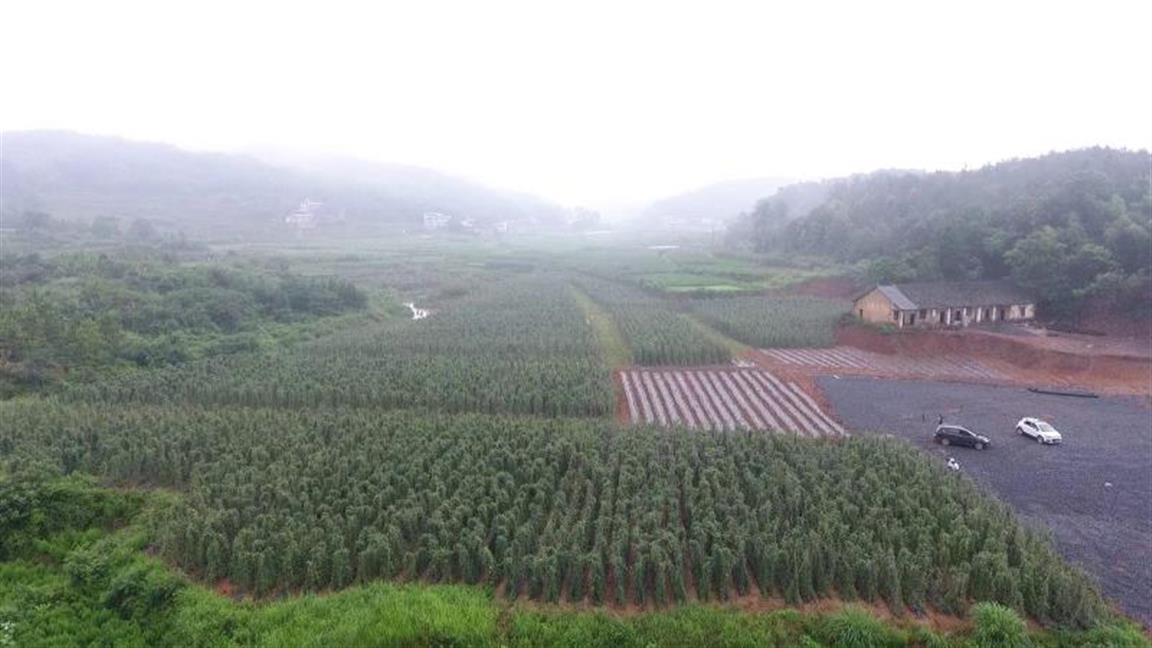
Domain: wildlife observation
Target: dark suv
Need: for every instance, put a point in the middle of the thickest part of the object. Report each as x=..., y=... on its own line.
x=956, y=435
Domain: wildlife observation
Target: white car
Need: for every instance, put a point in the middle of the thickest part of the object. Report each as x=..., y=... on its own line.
x=1039, y=430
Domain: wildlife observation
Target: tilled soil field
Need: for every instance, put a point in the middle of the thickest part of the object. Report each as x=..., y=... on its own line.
x=1105, y=528
x=845, y=359
x=723, y=398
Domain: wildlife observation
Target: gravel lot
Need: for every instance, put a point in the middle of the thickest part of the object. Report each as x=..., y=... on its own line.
x=1107, y=530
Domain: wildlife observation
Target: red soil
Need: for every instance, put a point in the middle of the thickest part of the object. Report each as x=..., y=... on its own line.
x=622, y=415
x=224, y=587
x=1105, y=316
x=1032, y=360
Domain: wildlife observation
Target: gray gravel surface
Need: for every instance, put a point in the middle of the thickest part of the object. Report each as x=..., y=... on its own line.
x=1105, y=529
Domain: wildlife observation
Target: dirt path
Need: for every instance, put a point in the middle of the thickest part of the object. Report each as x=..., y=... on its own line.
x=612, y=344
x=735, y=347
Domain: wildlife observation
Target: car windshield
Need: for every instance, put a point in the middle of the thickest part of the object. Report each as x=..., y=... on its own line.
x=1044, y=427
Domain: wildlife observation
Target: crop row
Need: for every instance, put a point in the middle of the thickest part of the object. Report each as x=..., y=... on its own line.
x=850, y=359
x=519, y=346
x=275, y=499
x=774, y=321
x=723, y=399
x=655, y=332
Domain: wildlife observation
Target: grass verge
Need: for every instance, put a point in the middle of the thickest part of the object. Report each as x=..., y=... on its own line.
x=616, y=352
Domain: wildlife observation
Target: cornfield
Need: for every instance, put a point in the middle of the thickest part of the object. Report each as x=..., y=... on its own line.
x=277, y=499
x=521, y=346
x=776, y=321
x=655, y=332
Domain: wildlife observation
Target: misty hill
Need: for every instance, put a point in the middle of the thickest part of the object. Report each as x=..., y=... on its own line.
x=1067, y=225
x=720, y=202
x=80, y=177
x=426, y=189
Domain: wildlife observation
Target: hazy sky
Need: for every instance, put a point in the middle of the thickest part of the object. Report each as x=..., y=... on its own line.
x=592, y=102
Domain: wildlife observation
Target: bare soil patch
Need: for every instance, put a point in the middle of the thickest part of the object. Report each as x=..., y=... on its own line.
x=1026, y=359
x=722, y=398
x=622, y=414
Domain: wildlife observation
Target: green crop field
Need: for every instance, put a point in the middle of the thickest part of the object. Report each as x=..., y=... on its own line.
x=656, y=333
x=468, y=462
x=774, y=321
x=280, y=499
x=689, y=271
x=521, y=345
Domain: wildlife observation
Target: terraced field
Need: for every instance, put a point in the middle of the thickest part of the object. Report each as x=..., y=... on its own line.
x=851, y=360
x=723, y=399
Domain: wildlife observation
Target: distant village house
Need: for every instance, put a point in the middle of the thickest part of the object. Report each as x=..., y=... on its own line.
x=436, y=220
x=945, y=304
x=304, y=216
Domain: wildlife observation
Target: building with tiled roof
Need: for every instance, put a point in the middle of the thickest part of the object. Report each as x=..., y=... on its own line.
x=945, y=303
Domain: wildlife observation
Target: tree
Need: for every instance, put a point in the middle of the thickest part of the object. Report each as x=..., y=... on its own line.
x=886, y=270
x=1130, y=243
x=106, y=226
x=341, y=568
x=1038, y=264
x=142, y=229
x=1087, y=264
x=35, y=220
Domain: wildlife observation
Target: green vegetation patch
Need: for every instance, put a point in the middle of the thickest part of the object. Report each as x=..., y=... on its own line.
x=656, y=333
x=688, y=270
x=280, y=500
x=775, y=321
x=102, y=588
x=615, y=348
x=521, y=345
x=1066, y=226
x=78, y=317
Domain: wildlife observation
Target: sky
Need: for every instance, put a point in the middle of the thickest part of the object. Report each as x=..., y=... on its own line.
x=590, y=102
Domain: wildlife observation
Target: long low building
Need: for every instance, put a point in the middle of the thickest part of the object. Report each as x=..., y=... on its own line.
x=945, y=303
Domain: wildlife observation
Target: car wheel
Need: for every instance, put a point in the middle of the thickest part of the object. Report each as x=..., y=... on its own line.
x=1040, y=440
x=979, y=445
x=1020, y=431
x=943, y=441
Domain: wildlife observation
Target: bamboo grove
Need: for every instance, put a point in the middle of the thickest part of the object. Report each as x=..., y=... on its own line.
x=282, y=500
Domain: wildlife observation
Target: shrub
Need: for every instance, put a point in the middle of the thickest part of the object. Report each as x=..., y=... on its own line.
x=997, y=626
x=855, y=627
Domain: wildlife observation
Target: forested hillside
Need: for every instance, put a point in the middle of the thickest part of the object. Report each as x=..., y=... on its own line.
x=82, y=177
x=1066, y=225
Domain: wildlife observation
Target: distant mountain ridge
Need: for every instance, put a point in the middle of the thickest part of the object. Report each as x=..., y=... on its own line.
x=75, y=176
x=719, y=202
